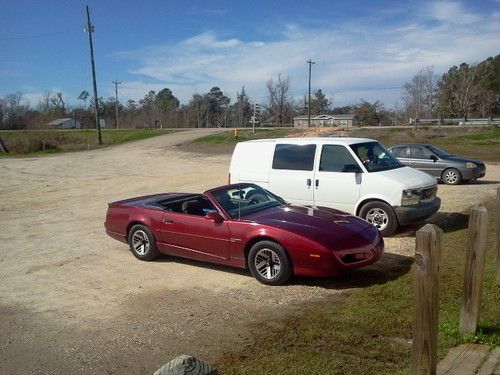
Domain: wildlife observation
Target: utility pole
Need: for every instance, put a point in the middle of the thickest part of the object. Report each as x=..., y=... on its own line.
x=310, y=62
x=116, y=102
x=90, y=30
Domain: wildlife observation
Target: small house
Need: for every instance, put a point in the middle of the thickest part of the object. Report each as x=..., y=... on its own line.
x=65, y=123
x=321, y=121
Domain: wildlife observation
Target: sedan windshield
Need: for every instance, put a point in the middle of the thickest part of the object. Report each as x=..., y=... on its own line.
x=245, y=199
x=438, y=151
x=375, y=157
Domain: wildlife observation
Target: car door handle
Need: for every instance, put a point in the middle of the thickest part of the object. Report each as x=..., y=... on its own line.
x=168, y=221
x=309, y=182
x=316, y=183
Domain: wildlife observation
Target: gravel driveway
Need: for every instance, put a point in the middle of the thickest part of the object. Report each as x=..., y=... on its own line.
x=72, y=300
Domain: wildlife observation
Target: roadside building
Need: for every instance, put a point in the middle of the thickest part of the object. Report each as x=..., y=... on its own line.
x=65, y=123
x=321, y=121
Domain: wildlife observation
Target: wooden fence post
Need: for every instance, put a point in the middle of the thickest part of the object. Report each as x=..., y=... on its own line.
x=498, y=236
x=426, y=299
x=3, y=148
x=474, y=269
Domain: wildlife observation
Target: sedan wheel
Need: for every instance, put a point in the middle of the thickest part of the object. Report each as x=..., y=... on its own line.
x=269, y=263
x=142, y=243
x=452, y=176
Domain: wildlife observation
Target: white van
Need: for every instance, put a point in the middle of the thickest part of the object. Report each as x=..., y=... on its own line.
x=355, y=175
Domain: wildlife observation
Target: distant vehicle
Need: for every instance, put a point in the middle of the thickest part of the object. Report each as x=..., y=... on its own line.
x=452, y=170
x=245, y=226
x=355, y=175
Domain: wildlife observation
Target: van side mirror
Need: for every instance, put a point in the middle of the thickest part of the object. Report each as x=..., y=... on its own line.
x=215, y=216
x=351, y=168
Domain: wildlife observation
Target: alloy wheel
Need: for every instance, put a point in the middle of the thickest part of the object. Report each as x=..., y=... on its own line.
x=267, y=263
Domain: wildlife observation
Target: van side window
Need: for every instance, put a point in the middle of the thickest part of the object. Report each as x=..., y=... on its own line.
x=294, y=157
x=334, y=158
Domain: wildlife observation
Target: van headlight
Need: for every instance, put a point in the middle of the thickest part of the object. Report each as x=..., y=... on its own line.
x=470, y=165
x=410, y=197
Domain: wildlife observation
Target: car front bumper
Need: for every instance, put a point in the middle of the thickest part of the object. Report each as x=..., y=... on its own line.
x=418, y=212
x=473, y=173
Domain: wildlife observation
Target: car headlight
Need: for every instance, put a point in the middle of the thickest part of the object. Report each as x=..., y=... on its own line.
x=470, y=165
x=410, y=197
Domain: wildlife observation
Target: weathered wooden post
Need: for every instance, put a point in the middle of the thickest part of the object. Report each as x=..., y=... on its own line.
x=3, y=148
x=426, y=299
x=474, y=269
x=498, y=236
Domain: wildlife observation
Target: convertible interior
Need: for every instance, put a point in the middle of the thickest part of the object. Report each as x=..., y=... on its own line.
x=191, y=204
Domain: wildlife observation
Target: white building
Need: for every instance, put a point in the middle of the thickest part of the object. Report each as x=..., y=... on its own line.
x=65, y=123
x=324, y=121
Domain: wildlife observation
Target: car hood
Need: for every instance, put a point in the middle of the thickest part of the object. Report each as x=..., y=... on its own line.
x=332, y=228
x=410, y=177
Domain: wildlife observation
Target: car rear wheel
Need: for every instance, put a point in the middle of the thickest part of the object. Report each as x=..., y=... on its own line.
x=269, y=263
x=142, y=243
x=381, y=215
x=451, y=176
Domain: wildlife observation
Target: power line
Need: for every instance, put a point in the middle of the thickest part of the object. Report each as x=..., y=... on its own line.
x=37, y=36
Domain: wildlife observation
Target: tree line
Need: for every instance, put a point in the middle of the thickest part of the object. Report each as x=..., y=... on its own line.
x=467, y=90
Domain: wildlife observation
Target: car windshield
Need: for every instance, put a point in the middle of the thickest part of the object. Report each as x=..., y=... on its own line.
x=438, y=151
x=375, y=157
x=245, y=199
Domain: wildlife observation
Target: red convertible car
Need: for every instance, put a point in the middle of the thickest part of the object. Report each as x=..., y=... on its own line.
x=243, y=225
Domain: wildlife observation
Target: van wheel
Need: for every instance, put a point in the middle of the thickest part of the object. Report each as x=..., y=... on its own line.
x=269, y=263
x=381, y=215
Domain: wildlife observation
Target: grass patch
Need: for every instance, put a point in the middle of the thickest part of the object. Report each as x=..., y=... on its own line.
x=480, y=143
x=368, y=330
x=224, y=143
x=22, y=143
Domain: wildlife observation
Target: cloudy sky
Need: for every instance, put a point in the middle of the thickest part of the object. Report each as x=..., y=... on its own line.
x=362, y=49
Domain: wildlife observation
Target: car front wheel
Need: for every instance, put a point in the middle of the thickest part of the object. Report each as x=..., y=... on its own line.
x=269, y=263
x=381, y=215
x=142, y=243
x=451, y=176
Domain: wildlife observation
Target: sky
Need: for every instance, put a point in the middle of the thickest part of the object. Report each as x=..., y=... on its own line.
x=362, y=49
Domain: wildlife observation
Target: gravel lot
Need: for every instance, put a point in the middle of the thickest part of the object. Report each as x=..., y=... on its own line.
x=72, y=300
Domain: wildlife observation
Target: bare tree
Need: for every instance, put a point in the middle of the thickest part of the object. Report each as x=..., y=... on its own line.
x=57, y=102
x=277, y=96
x=3, y=106
x=419, y=96
x=459, y=90
x=84, y=95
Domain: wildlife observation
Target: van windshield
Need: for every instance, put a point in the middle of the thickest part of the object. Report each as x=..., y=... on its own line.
x=375, y=157
x=244, y=199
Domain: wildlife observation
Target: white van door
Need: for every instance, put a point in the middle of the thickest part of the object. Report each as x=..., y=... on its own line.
x=292, y=172
x=337, y=180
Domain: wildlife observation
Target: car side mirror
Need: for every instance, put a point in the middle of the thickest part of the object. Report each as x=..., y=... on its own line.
x=433, y=158
x=215, y=216
x=351, y=168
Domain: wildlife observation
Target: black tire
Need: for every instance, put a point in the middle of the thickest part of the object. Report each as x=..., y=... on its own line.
x=451, y=176
x=381, y=215
x=142, y=243
x=269, y=263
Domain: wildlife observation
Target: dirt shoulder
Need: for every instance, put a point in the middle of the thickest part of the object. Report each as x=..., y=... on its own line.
x=72, y=300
